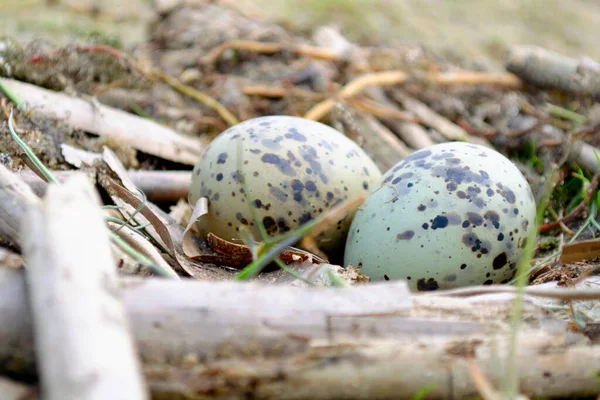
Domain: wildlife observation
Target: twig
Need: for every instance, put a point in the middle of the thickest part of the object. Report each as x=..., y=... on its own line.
x=562, y=225
x=546, y=69
x=508, y=81
x=71, y=305
x=268, y=48
x=278, y=92
x=484, y=386
x=471, y=130
x=196, y=95
x=157, y=185
x=429, y=117
x=559, y=294
x=575, y=212
x=381, y=110
x=387, y=78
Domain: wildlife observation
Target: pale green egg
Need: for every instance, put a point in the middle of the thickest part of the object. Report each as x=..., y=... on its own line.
x=454, y=214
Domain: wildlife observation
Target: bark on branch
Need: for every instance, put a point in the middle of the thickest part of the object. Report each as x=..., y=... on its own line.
x=285, y=342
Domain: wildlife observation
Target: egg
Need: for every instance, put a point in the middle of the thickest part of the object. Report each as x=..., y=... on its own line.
x=295, y=169
x=450, y=215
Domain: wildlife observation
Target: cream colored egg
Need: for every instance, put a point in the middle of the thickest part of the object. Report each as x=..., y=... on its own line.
x=295, y=170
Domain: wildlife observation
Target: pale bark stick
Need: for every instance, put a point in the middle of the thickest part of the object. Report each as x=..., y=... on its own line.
x=585, y=155
x=428, y=117
x=411, y=133
x=156, y=185
x=10, y=390
x=550, y=70
x=122, y=127
x=81, y=331
x=310, y=342
x=15, y=197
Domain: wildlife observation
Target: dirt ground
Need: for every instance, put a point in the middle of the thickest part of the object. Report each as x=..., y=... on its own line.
x=482, y=30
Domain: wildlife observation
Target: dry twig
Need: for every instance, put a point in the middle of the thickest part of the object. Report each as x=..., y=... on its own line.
x=268, y=48
x=387, y=78
x=505, y=80
x=581, y=207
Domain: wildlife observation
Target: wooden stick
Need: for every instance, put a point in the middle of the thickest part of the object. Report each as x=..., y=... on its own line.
x=411, y=132
x=120, y=126
x=157, y=185
x=82, y=338
x=430, y=118
x=585, y=154
x=11, y=390
x=309, y=342
x=550, y=70
x=15, y=197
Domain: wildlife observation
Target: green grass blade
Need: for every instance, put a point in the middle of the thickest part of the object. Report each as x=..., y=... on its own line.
x=11, y=96
x=30, y=154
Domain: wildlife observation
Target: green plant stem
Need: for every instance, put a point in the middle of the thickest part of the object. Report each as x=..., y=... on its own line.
x=336, y=280
x=292, y=272
x=510, y=382
x=11, y=95
x=269, y=254
x=561, y=112
x=30, y=154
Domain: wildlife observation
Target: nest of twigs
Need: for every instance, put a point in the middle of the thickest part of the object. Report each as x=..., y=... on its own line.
x=123, y=128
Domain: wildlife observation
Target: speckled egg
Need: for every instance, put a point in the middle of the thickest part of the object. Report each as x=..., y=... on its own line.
x=454, y=214
x=295, y=170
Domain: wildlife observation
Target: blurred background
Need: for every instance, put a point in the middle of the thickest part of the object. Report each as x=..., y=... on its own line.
x=479, y=29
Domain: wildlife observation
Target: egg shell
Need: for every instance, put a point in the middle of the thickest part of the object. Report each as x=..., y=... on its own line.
x=295, y=170
x=453, y=214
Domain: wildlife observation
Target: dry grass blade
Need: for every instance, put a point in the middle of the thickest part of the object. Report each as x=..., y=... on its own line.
x=157, y=224
x=381, y=110
x=189, y=243
x=386, y=78
x=267, y=48
x=505, y=80
x=197, y=95
x=276, y=92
